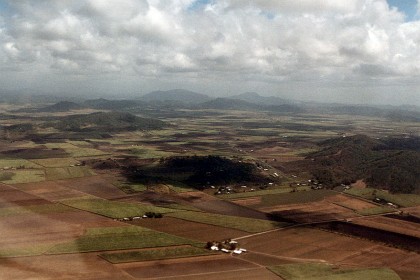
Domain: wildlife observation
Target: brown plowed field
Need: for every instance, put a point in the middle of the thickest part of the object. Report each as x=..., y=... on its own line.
x=415, y=211
x=100, y=186
x=248, y=201
x=311, y=212
x=197, y=266
x=188, y=229
x=67, y=266
x=333, y=207
x=228, y=208
x=390, y=224
x=243, y=274
x=33, y=229
x=50, y=190
x=11, y=197
x=313, y=244
x=263, y=259
x=350, y=202
x=36, y=229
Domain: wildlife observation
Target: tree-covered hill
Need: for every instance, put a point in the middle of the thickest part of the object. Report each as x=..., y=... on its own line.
x=392, y=164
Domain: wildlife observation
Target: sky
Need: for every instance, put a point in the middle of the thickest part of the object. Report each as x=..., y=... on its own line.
x=353, y=51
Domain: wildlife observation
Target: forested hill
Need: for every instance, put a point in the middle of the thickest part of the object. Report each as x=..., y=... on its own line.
x=392, y=164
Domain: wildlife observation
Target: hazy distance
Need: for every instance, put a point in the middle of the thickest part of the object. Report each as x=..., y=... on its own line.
x=355, y=51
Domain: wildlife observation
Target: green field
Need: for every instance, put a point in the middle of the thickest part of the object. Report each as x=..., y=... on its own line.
x=314, y=271
x=17, y=163
x=240, y=223
x=119, y=238
x=59, y=173
x=32, y=250
x=131, y=188
x=34, y=209
x=74, y=150
x=146, y=152
x=22, y=176
x=155, y=254
x=114, y=209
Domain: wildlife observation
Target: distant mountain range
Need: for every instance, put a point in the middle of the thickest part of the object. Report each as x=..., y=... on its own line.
x=178, y=95
x=180, y=98
x=228, y=104
x=254, y=97
x=62, y=106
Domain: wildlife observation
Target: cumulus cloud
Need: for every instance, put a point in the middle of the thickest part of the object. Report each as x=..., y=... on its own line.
x=210, y=45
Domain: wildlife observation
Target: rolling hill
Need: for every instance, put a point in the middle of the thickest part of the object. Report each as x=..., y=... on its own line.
x=106, y=122
x=105, y=104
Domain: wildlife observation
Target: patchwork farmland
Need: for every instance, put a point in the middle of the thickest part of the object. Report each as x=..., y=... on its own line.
x=143, y=203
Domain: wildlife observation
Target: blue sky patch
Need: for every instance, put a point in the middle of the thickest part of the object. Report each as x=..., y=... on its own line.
x=408, y=7
x=198, y=4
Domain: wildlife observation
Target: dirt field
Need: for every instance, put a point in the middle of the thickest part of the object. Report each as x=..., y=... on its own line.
x=32, y=229
x=311, y=212
x=359, y=184
x=228, y=208
x=198, y=266
x=331, y=207
x=350, y=202
x=192, y=230
x=415, y=211
x=243, y=274
x=12, y=197
x=100, y=186
x=248, y=201
x=306, y=244
x=67, y=266
x=50, y=190
x=390, y=224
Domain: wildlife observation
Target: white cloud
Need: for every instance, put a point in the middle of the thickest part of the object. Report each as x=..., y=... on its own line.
x=225, y=43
